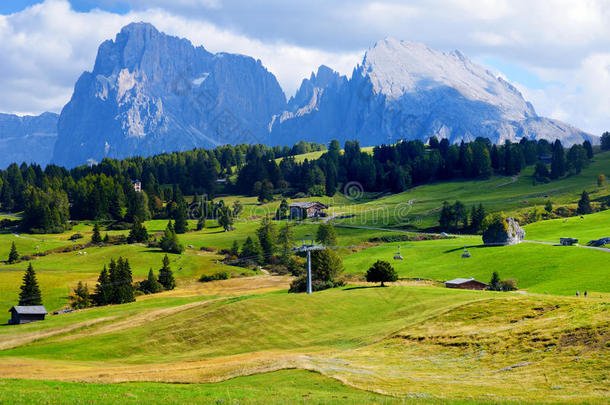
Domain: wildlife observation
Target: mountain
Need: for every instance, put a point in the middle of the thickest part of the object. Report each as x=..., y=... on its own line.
x=27, y=139
x=406, y=90
x=150, y=93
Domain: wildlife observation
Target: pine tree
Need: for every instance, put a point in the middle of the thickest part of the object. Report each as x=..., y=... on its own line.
x=166, y=276
x=447, y=216
x=180, y=222
x=558, y=162
x=13, y=256
x=282, y=211
x=267, y=236
x=234, y=251
x=30, y=291
x=151, y=285
x=251, y=251
x=138, y=232
x=124, y=290
x=96, y=238
x=284, y=239
x=106, y=239
x=103, y=290
x=80, y=298
x=494, y=284
x=584, y=204
x=460, y=215
x=548, y=207
x=169, y=241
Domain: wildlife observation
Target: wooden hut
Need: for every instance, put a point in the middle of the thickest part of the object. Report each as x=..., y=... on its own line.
x=26, y=314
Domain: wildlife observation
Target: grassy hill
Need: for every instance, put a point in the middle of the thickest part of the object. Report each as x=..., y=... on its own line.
x=457, y=345
x=585, y=228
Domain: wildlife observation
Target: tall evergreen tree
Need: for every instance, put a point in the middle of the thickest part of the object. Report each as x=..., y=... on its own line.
x=151, y=285
x=180, y=222
x=138, y=232
x=80, y=297
x=13, y=256
x=460, y=215
x=225, y=219
x=558, y=162
x=251, y=251
x=446, y=218
x=494, y=283
x=166, y=276
x=584, y=204
x=124, y=290
x=282, y=211
x=30, y=291
x=169, y=241
x=96, y=237
x=103, y=293
x=267, y=236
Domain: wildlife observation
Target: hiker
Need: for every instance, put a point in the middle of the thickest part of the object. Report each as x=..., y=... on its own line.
x=577, y=293
x=585, y=294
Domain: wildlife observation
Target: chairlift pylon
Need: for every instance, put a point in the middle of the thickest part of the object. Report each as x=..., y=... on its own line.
x=398, y=256
x=466, y=253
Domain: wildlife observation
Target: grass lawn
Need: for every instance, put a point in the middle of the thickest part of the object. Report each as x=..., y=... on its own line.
x=537, y=268
x=280, y=387
x=589, y=227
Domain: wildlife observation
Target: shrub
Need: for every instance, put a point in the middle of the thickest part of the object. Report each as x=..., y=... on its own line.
x=221, y=275
x=381, y=272
x=508, y=285
x=300, y=285
x=76, y=236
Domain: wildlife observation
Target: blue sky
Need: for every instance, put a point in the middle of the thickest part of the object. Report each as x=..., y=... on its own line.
x=557, y=52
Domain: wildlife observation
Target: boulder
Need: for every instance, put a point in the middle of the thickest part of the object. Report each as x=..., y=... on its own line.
x=509, y=235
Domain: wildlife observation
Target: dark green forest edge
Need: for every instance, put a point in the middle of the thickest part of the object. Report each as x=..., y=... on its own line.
x=49, y=198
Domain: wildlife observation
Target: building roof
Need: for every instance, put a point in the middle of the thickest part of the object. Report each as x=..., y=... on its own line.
x=30, y=309
x=462, y=281
x=308, y=204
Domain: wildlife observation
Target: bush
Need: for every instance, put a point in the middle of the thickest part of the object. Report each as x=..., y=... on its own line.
x=299, y=285
x=508, y=285
x=76, y=236
x=221, y=275
x=207, y=249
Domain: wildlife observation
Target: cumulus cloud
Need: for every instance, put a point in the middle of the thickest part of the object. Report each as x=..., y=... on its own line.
x=563, y=42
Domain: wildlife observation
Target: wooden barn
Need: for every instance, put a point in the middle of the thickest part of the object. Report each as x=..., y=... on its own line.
x=466, y=284
x=26, y=314
x=306, y=209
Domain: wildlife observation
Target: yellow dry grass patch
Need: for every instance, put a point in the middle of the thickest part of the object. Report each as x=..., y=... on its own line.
x=232, y=287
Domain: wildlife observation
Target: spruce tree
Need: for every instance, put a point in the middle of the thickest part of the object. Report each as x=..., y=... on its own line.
x=30, y=291
x=96, y=237
x=284, y=240
x=558, y=161
x=494, y=284
x=584, y=204
x=282, y=211
x=169, y=241
x=166, y=276
x=13, y=256
x=180, y=222
x=124, y=291
x=151, y=285
x=103, y=289
x=138, y=232
x=106, y=239
x=80, y=298
x=251, y=251
x=225, y=219
x=267, y=236
x=201, y=223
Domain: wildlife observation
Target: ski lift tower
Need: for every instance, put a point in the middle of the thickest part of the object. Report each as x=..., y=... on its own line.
x=308, y=247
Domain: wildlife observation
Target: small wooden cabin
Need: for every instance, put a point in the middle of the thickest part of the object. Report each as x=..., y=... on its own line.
x=26, y=314
x=306, y=209
x=466, y=284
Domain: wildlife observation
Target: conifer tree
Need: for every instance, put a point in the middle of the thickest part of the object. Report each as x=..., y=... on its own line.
x=138, y=232
x=124, y=291
x=584, y=204
x=267, y=236
x=494, y=284
x=326, y=234
x=30, y=291
x=251, y=251
x=13, y=255
x=166, y=276
x=180, y=222
x=284, y=240
x=558, y=161
x=80, y=298
x=106, y=239
x=96, y=237
x=282, y=211
x=151, y=285
x=169, y=241
x=103, y=290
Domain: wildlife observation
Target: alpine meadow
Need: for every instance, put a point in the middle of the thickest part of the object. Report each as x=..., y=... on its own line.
x=336, y=219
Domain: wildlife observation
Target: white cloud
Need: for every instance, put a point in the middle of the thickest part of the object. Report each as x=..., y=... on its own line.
x=564, y=42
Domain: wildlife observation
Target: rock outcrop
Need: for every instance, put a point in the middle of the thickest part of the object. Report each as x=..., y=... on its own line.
x=510, y=233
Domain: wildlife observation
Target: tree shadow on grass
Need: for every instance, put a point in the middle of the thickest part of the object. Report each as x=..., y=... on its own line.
x=470, y=247
x=361, y=287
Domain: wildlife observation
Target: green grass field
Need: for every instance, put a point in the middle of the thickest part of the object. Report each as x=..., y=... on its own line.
x=245, y=340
